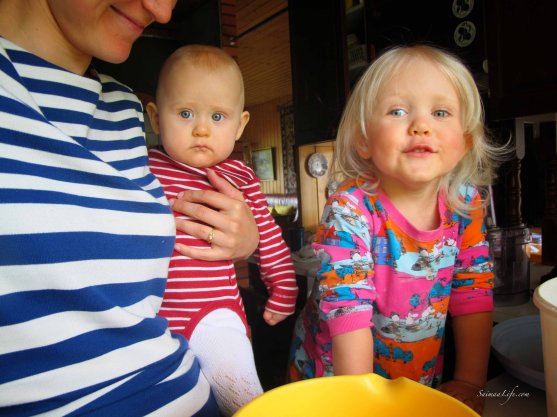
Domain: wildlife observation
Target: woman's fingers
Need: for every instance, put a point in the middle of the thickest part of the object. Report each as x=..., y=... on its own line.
x=223, y=186
x=235, y=234
x=214, y=209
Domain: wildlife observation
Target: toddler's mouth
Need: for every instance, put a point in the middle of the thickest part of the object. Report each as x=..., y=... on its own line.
x=419, y=149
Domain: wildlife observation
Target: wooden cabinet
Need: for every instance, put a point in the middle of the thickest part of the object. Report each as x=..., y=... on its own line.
x=313, y=190
x=457, y=26
x=319, y=67
x=521, y=38
x=333, y=41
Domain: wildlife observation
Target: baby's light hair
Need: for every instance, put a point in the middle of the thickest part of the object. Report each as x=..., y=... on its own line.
x=202, y=56
x=478, y=165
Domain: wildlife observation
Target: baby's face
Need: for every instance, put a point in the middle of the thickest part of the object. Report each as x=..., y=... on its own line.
x=201, y=114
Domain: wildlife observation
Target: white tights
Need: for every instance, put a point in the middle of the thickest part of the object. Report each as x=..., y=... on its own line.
x=225, y=353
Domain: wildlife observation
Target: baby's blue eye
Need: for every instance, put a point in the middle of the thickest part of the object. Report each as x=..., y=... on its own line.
x=441, y=113
x=186, y=114
x=398, y=112
x=217, y=117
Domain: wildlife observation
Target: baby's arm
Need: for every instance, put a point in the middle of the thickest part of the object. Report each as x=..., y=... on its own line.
x=274, y=260
x=272, y=318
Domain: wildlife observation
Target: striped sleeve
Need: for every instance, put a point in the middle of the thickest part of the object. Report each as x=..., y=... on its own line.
x=273, y=255
x=85, y=238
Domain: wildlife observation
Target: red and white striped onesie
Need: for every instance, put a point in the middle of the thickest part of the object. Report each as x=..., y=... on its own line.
x=195, y=287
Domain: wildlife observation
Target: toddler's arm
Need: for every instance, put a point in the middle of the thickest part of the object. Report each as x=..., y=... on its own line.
x=472, y=335
x=353, y=352
x=471, y=308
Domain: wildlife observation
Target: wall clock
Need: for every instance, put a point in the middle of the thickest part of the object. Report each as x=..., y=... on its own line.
x=317, y=165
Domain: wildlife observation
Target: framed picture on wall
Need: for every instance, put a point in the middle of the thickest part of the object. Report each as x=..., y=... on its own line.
x=263, y=161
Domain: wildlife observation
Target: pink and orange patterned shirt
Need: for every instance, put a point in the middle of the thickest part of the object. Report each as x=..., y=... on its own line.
x=379, y=271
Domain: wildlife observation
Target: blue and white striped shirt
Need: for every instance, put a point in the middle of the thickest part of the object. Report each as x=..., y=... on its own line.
x=85, y=239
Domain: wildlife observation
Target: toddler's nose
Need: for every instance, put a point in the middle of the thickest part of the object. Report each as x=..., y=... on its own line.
x=419, y=127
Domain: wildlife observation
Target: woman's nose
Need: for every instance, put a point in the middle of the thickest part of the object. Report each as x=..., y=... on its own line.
x=161, y=10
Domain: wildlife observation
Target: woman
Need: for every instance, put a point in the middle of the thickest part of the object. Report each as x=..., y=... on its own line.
x=86, y=231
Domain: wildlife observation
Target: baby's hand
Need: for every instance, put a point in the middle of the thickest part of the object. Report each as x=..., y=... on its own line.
x=273, y=318
x=465, y=392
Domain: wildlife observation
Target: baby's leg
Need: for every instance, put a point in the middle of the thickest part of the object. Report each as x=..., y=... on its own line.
x=226, y=356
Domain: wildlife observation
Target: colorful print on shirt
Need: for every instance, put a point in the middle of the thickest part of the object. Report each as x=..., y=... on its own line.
x=380, y=272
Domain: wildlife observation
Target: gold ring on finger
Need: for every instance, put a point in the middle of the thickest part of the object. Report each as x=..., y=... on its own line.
x=211, y=236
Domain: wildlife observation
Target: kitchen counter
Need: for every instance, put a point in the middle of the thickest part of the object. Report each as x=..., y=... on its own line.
x=506, y=396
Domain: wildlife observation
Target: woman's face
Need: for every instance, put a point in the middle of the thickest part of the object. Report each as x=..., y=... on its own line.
x=106, y=29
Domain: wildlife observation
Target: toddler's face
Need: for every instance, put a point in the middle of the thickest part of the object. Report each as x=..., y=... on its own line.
x=200, y=114
x=415, y=134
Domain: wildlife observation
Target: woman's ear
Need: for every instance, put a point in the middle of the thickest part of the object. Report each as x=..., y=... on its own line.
x=244, y=119
x=153, y=113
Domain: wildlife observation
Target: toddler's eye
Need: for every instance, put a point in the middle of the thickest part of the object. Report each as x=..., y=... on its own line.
x=441, y=113
x=398, y=112
x=217, y=117
x=186, y=114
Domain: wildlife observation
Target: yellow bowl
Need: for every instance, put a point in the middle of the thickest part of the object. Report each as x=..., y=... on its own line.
x=355, y=396
x=283, y=210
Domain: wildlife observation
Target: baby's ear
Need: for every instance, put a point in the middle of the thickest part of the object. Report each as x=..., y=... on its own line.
x=153, y=113
x=244, y=119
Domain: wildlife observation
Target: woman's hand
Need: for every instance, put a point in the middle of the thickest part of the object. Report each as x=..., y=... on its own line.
x=465, y=392
x=228, y=222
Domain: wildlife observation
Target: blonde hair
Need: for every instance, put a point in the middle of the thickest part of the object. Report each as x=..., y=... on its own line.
x=478, y=165
x=202, y=56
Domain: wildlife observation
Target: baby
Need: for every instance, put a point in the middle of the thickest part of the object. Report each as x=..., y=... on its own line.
x=199, y=115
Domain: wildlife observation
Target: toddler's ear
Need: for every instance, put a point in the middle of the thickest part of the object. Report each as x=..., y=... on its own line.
x=362, y=147
x=469, y=140
x=153, y=113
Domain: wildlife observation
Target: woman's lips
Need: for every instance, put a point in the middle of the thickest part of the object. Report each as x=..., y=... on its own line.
x=136, y=25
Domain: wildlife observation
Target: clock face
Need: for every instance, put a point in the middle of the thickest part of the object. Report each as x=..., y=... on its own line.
x=465, y=33
x=317, y=165
x=462, y=8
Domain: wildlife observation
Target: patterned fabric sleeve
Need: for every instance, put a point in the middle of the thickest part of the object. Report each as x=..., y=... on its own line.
x=472, y=287
x=342, y=243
